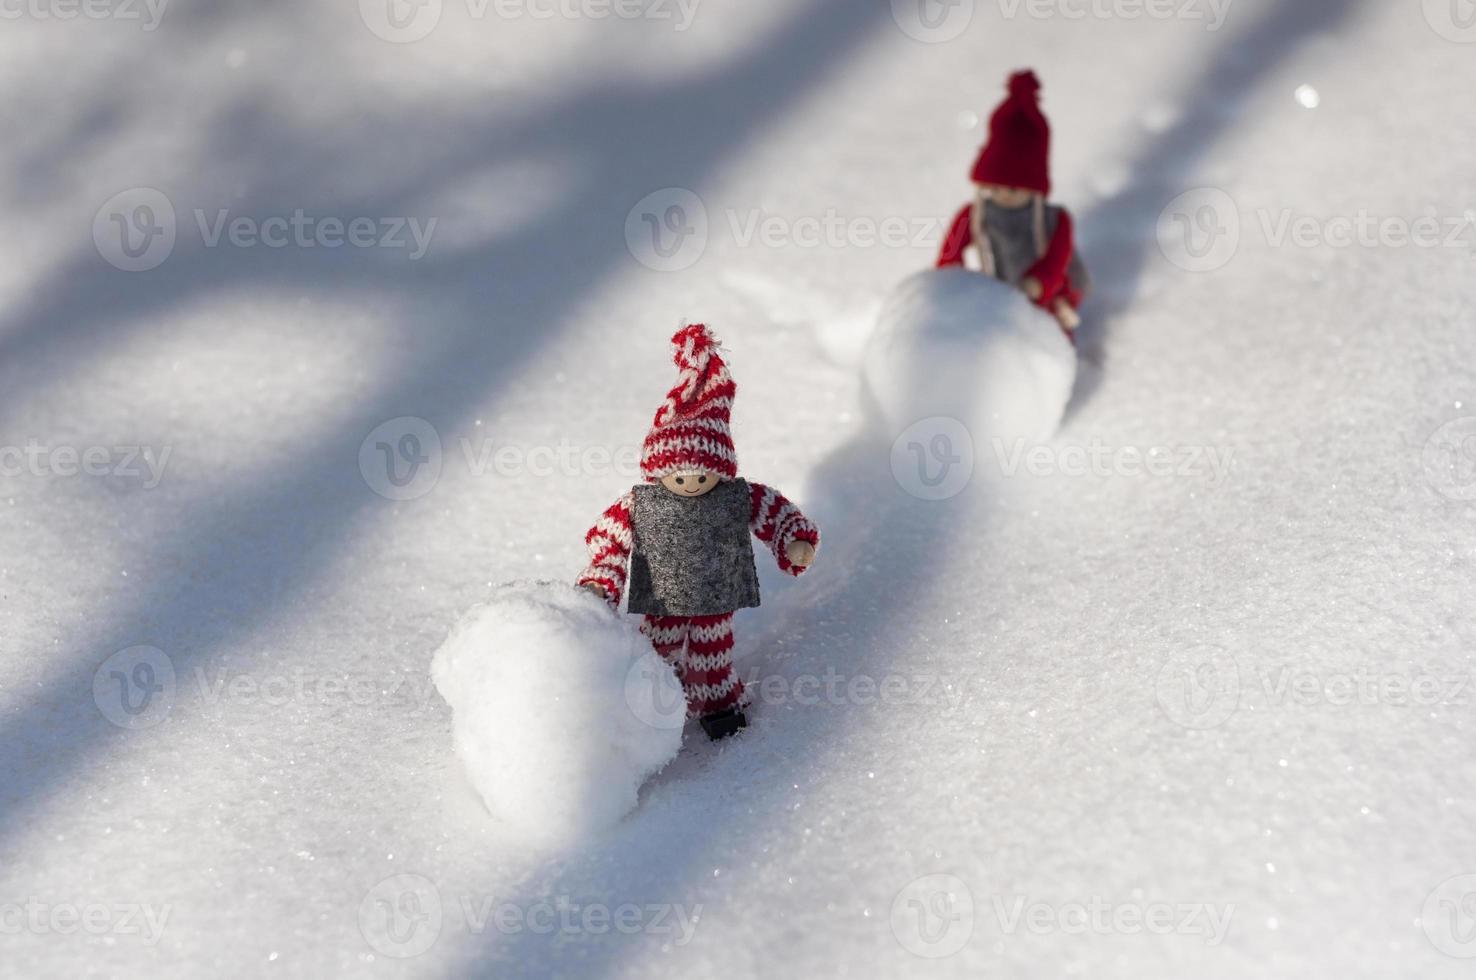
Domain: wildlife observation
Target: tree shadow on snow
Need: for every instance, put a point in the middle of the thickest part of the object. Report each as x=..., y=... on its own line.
x=215, y=576
x=1121, y=232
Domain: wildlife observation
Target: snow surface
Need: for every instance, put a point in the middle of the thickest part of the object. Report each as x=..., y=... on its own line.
x=1120, y=690
x=560, y=709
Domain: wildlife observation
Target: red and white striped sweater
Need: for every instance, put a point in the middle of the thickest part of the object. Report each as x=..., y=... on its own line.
x=772, y=519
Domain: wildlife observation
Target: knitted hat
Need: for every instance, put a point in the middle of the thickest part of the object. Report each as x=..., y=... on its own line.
x=1019, y=148
x=690, y=431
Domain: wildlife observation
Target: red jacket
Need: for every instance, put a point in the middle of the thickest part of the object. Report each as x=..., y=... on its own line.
x=1050, y=270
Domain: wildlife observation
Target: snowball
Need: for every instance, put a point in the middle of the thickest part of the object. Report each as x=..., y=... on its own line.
x=561, y=709
x=957, y=344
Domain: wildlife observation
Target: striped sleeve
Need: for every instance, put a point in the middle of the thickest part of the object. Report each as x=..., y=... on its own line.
x=609, y=543
x=776, y=522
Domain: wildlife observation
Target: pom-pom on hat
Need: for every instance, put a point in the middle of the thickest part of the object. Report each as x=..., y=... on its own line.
x=690, y=432
x=1018, y=152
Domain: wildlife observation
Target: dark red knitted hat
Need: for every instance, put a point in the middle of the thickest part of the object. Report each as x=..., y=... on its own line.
x=1018, y=152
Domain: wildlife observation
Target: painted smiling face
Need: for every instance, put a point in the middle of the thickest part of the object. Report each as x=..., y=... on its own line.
x=691, y=484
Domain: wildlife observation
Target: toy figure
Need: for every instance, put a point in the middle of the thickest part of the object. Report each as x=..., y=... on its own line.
x=1021, y=239
x=683, y=536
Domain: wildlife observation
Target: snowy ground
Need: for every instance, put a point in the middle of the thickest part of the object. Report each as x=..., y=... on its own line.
x=1216, y=721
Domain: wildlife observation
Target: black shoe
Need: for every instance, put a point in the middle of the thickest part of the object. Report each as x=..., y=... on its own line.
x=723, y=723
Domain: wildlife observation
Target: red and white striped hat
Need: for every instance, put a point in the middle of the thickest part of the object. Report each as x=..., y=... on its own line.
x=690, y=432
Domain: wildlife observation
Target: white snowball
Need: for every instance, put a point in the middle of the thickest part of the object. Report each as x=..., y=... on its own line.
x=958, y=344
x=561, y=709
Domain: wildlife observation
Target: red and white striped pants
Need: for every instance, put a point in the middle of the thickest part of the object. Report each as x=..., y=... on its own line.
x=701, y=650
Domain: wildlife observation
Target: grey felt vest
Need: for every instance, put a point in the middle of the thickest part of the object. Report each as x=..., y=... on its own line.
x=1012, y=237
x=692, y=556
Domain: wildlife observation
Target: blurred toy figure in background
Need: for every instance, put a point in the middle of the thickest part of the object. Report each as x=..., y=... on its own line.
x=1019, y=237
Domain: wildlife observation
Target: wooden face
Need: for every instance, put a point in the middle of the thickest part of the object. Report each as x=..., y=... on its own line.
x=690, y=484
x=1007, y=197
